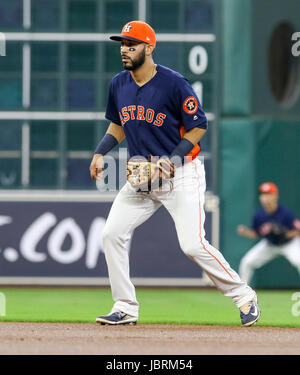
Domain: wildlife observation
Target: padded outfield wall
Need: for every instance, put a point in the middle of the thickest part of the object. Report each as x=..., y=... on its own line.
x=259, y=130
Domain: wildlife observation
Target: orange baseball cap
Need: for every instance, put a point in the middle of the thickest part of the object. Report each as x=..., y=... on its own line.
x=137, y=31
x=268, y=187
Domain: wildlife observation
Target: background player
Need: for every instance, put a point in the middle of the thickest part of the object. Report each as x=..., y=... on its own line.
x=278, y=230
x=160, y=115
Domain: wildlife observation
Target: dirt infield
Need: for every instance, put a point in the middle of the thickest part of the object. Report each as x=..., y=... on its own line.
x=59, y=338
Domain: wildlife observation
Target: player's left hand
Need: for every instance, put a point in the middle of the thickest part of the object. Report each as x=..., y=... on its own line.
x=166, y=167
x=292, y=233
x=279, y=232
x=146, y=175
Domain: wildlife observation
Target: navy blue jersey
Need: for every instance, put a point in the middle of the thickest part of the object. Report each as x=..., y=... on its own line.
x=271, y=226
x=156, y=115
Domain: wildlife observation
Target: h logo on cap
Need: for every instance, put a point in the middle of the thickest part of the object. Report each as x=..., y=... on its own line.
x=127, y=29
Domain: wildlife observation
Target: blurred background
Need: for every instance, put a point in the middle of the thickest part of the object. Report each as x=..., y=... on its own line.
x=54, y=78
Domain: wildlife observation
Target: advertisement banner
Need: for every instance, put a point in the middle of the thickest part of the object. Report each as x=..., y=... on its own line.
x=64, y=239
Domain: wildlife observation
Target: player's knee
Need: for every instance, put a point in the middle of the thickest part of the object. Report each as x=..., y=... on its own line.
x=108, y=236
x=112, y=238
x=247, y=262
x=242, y=267
x=193, y=245
x=191, y=248
x=190, y=252
x=296, y=263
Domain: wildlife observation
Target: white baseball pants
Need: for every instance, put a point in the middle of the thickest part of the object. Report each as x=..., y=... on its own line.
x=185, y=203
x=264, y=251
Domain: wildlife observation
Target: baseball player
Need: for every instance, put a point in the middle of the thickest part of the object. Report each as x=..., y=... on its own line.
x=278, y=230
x=157, y=111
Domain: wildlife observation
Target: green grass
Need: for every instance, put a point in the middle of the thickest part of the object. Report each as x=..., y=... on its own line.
x=157, y=306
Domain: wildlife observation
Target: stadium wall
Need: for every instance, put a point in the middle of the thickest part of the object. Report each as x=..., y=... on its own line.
x=259, y=130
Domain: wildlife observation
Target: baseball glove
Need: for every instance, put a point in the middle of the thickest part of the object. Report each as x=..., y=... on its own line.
x=150, y=175
x=279, y=233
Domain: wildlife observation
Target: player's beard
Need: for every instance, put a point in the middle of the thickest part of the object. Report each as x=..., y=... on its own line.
x=135, y=64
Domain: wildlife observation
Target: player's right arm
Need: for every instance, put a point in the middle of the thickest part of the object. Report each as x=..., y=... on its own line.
x=247, y=232
x=117, y=131
x=114, y=135
x=253, y=232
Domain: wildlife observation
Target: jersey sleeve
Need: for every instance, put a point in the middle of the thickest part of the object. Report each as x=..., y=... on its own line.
x=112, y=113
x=192, y=114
